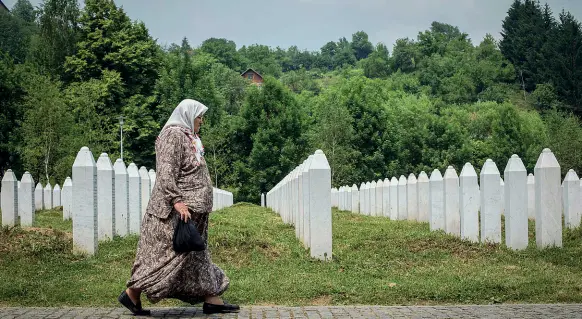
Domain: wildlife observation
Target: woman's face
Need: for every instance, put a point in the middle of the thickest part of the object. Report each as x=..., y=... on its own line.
x=197, y=123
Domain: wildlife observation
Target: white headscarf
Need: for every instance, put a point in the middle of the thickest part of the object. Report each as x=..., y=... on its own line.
x=183, y=116
x=185, y=113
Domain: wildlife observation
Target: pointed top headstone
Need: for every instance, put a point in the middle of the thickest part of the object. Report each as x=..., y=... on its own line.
x=514, y=165
x=450, y=173
x=489, y=168
x=104, y=163
x=48, y=186
x=422, y=177
x=68, y=182
x=84, y=158
x=402, y=180
x=436, y=175
x=27, y=178
x=571, y=176
x=412, y=178
x=57, y=187
x=547, y=159
x=468, y=170
x=9, y=176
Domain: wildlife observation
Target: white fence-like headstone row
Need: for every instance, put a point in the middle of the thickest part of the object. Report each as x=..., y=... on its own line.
x=102, y=199
x=303, y=200
x=471, y=207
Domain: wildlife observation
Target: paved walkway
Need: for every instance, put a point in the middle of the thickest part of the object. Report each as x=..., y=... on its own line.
x=569, y=311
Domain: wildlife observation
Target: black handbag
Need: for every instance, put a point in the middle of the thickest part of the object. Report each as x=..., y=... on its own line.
x=187, y=238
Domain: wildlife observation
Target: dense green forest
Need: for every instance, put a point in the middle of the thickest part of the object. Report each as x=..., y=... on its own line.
x=67, y=74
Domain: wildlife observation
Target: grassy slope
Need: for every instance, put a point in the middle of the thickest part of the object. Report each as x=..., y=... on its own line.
x=376, y=261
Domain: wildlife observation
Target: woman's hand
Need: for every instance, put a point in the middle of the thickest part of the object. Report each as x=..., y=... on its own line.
x=183, y=210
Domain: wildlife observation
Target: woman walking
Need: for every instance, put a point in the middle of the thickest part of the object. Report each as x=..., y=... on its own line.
x=183, y=191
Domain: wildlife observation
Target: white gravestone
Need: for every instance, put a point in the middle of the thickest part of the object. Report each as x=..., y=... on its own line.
x=548, y=201
x=355, y=199
x=386, y=197
x=145, y=189
x=57, y=196
x=572, y=200
x=85, y=236
x=361, y=200
x=320, y=207
x=39, y=197
x=48, y=196
x=515, y=204
x=366, y=202
x=490, y=203
x=469, y=203
x=26, y=200
x=393, y=198
x=306, y=207
x=300, y=203
x=531, y=196
x=134, y=198
x=349, y=197
x=502, y=187
x=105, y=197
x=379, y=197
x=402, y=200
x=451, y=195
x=412, y=197
x=436, y=212
x=372, y=206
x=9, y=199
x=334, y=197
x=67, y=198
x=262, y=200
x=422, y=190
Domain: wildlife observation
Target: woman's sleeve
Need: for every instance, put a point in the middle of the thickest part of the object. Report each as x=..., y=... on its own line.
x=169, y=162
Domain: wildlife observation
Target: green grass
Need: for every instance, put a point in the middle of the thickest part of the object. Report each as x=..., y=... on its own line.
x=375, y=261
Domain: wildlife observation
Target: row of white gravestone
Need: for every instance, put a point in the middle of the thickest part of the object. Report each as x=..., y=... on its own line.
x=461, y=207
x=303, y=200
x=104, y=200
x=111, y=200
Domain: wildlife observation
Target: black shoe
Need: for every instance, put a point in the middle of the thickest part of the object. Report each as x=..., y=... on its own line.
x=136, y=310
x=208, y=308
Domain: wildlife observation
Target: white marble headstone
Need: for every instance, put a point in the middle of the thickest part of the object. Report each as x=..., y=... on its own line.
x=490, y=203
x=452, y=214
x=26, y=200
x=105, y=197
x=436, y=211
x=85, y=235
x=9, y=202
x=516, y=227
x=423, y=190
x=469, y=203
x=548, y=201
x=412, y=197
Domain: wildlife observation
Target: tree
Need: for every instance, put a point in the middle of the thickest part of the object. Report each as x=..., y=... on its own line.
x=48, y=149
x=224, y=51
x=108, y=40
x=361, y=46
x=405, y=55
x=57, y=39
x=15, y=35
x=524, y=31
x=268, y=138
x=24, y=10
x=332, y=132
x=12, y=94
x=569, y=62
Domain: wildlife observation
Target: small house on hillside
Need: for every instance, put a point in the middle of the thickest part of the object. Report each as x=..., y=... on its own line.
x=3, y=6
x=253, y=76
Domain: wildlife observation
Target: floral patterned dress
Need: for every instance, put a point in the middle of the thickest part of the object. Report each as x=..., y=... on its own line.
x=160, y=272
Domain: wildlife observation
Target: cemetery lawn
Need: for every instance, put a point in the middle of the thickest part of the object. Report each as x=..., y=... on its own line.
x=376, y=262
